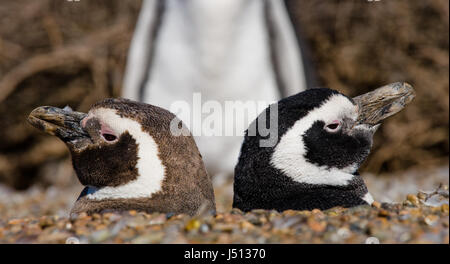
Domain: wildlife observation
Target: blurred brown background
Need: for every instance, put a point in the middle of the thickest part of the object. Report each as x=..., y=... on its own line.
x=57, y=52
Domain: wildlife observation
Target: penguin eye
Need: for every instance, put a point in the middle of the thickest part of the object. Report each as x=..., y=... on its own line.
x=109, y=137
x=334, y=126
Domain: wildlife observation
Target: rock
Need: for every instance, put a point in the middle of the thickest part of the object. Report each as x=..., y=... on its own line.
x=431, y=220
x=444, y=208
x=317, y=226
x=72, y=240
x=376, y=204
x=413, y=199
x=148, y=238
x=383, y=213
x=192, y=225
x=15, y=221
x=246, y=226
x=132, y=212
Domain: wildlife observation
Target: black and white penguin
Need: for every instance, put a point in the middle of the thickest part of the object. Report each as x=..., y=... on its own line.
x=126, y=155
x=224, y=50
x=322, y=138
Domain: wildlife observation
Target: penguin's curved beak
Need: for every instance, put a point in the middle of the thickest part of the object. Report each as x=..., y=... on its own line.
x=382, y=103
x=63, y=123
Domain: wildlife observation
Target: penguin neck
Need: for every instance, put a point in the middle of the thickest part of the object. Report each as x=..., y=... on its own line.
x=281, y=193
x=267, y=187
x=309, y=197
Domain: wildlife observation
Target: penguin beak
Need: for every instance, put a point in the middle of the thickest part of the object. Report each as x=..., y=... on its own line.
x=63, y=123
x=382, y=103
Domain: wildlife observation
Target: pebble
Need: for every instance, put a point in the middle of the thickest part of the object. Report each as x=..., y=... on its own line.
x=132, y=212
x=413, y=199
x=387, y=223
x=444, y=208
x=422, y=196
x=383, y=213
x=376, y=204
x=317, y=226
x=15, y=221
x=72, y=240
x=204, y=228
x=247, y=226
x=193, y=225
x=431, y=220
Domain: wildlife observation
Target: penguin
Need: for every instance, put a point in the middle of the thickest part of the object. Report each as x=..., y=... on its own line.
x=321, y=139
x=225, y=50
x=128, y=157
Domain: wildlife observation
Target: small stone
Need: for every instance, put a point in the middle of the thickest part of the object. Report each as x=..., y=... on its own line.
x=290, y=212
x=444, y=208
x=406, y=203
x=219, y=216
x=317, y=226
x=259, y=211
x=16, y=229
x=72, y=240
x=114, y=217
x=45, y=222
x=204, y=228
x=15, y=221
x=100, y=236
x=158, y=220
x=192, y=225
x=132, y=212
x=169, y=215
x=376, y=204
x=383, y=213
x=422, y=196
x=100, y=227
x=343, y=233
x=83, y=215
x=224, y=227
x=413, y=199
x=148, y=238
x=236, y=211
x=96, y=216
x=431, y=220
x=107, y=215
x=316, y=211
x=246, y=226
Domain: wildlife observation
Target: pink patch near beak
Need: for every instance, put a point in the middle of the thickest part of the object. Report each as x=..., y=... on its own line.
x=83, y=122
x=106, y=130
x=335, y=122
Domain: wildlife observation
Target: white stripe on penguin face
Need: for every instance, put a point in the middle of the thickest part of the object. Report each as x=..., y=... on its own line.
x=289, y=154
x=150, y=169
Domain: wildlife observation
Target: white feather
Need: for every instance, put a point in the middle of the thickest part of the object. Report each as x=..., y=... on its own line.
x=368, y=198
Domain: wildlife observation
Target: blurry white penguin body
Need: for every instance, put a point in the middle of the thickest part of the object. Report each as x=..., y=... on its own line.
x=222, y=50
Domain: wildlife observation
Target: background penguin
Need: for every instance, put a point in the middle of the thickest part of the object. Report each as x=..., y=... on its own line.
x=227, y=50
x=323, y=137
x=126, y=156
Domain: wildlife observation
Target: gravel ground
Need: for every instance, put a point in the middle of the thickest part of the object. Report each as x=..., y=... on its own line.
x=41, y=216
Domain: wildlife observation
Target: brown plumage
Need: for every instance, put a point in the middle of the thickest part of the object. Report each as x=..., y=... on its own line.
x=186, y=186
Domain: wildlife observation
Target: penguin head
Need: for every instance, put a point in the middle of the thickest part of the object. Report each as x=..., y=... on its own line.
x=326, y=136
x=320, y=133
x=117, y=141
x=125, y=151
